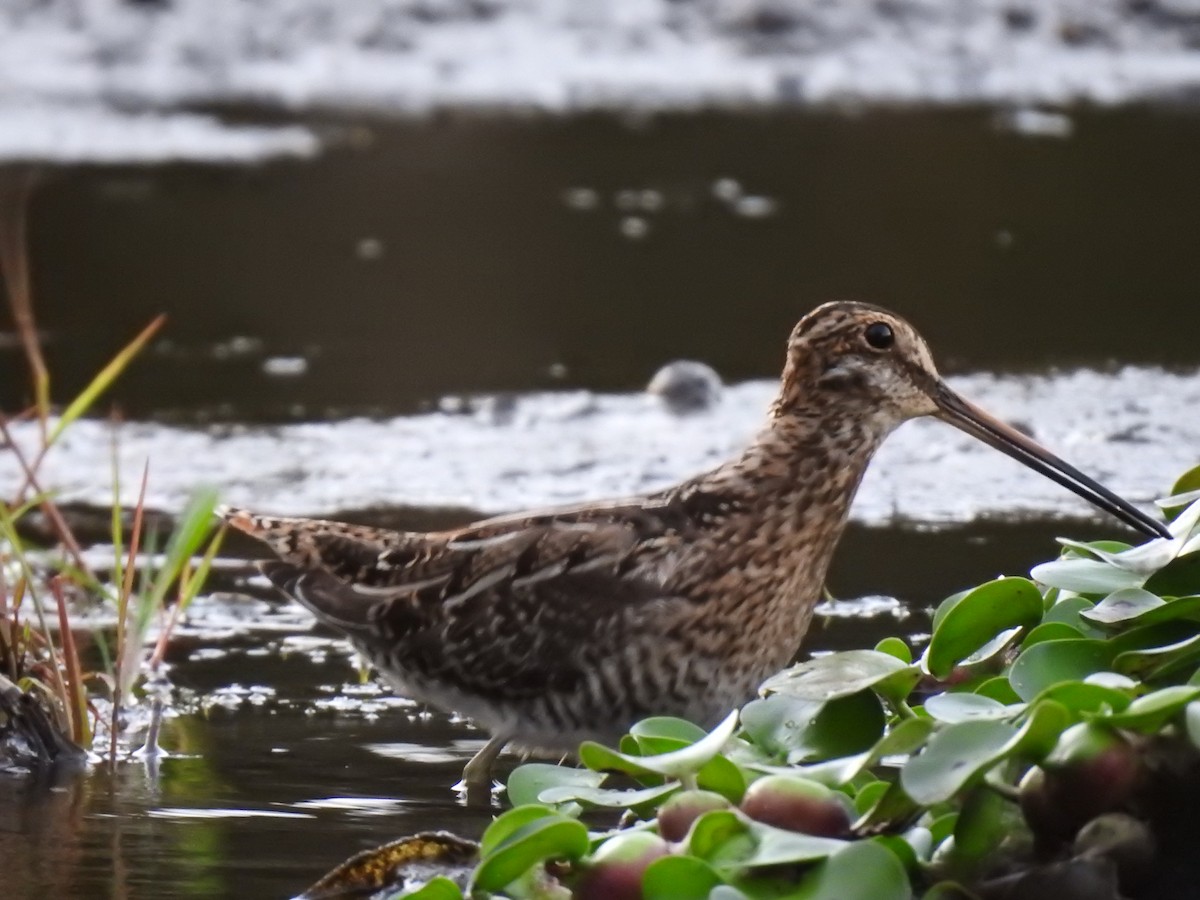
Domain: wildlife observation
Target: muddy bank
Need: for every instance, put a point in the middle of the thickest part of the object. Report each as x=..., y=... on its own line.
x=1124, y=428
x=413, y=56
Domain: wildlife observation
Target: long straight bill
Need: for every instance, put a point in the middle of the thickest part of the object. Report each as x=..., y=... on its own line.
x=978, y=423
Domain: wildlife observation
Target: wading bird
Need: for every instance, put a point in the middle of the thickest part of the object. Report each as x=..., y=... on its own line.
x=557, y=625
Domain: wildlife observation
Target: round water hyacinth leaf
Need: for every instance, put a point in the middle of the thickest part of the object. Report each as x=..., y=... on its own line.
x=901, y=849
x=674, y=764
x=662, y=734
x=1179, y=578
x=606, y=797
x=1114, y=680
x=1149, y=713
x=893, y=808
x=894, y=646
x=869, y=795
x=722, y=776
x=1084, y=697
x=720, y=834
x=679, y=878
x=863, y=870
x=1069, y=611
x=979, y=616
x=1051, y=631
x=842, y=674
x=508, y=823
x=960, y=753
x=1085, y=576
x=1185, y=490
x=1123, y=606
x=527, y=782
x=960, y=707
x=1150, y=662
x=804, y=731
x=777, y=846
x=982, y=826
x=1050, y=662
x=998, y=689
x=437, y=888
x=1188, y=481
x=548, y=837
x=954, y=756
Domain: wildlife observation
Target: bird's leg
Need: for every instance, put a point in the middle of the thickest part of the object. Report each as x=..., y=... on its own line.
x=477, y=774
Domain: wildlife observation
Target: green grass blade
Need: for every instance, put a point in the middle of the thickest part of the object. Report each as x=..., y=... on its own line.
x=189, y=536
x=103, y=379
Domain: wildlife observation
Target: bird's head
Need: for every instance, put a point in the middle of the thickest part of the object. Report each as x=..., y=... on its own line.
x=871, y=365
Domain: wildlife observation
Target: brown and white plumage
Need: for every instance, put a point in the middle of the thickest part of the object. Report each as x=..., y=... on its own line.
x=553, y=626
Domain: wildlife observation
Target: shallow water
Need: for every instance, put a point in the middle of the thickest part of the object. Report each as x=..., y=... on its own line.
x=316, y=306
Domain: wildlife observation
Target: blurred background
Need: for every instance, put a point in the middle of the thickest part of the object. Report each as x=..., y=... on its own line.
x=420, y=258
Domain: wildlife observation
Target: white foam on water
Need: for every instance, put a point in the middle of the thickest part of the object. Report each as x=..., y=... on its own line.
x=567, y=55
x=1131, y=429
x=85, y=133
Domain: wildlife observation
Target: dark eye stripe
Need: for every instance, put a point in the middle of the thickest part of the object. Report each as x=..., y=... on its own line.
x=879, y=335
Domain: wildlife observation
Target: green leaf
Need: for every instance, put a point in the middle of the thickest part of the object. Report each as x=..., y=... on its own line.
x=965, y=707
x=805, y=729
x=894, y=646
x=960, y=753
x=1187, y=482
x=986, y=820
x=1051, y=631
x=714, y=830
x=776, y=846
x=679, y=878
x=527, y=782
x=662, y=734
x=439, y=887
x=1150, y=713
x=869, y=795
x=1149, y=662
x=904, y=737
x=977, y=617
x=955, y=756
x=508, y=823
x=722, y=776
x=547, y=837
x=1069, y=611
x=674, y=764
x=998, y=689
x=894, y=807
x=1180, y=577
x=863, y=870
x=1085, y=576
x=606, y=797
x=1123, y=606
x=842, y=674
x=1050, y=662
x=1191, y=720
x=1084, y=697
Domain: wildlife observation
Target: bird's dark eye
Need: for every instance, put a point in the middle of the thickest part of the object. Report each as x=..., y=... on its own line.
x=879, y=335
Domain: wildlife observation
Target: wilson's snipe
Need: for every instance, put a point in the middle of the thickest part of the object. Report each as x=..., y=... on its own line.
x=553, y=626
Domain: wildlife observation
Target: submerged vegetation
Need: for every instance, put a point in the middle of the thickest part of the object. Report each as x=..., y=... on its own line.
x=1046, y=738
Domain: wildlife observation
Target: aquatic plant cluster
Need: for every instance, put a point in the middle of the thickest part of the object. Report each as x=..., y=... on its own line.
x=50, y=708
x=1047, y=737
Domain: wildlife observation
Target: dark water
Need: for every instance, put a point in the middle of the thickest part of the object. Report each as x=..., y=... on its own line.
x=420, y=259
x=416, y=259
